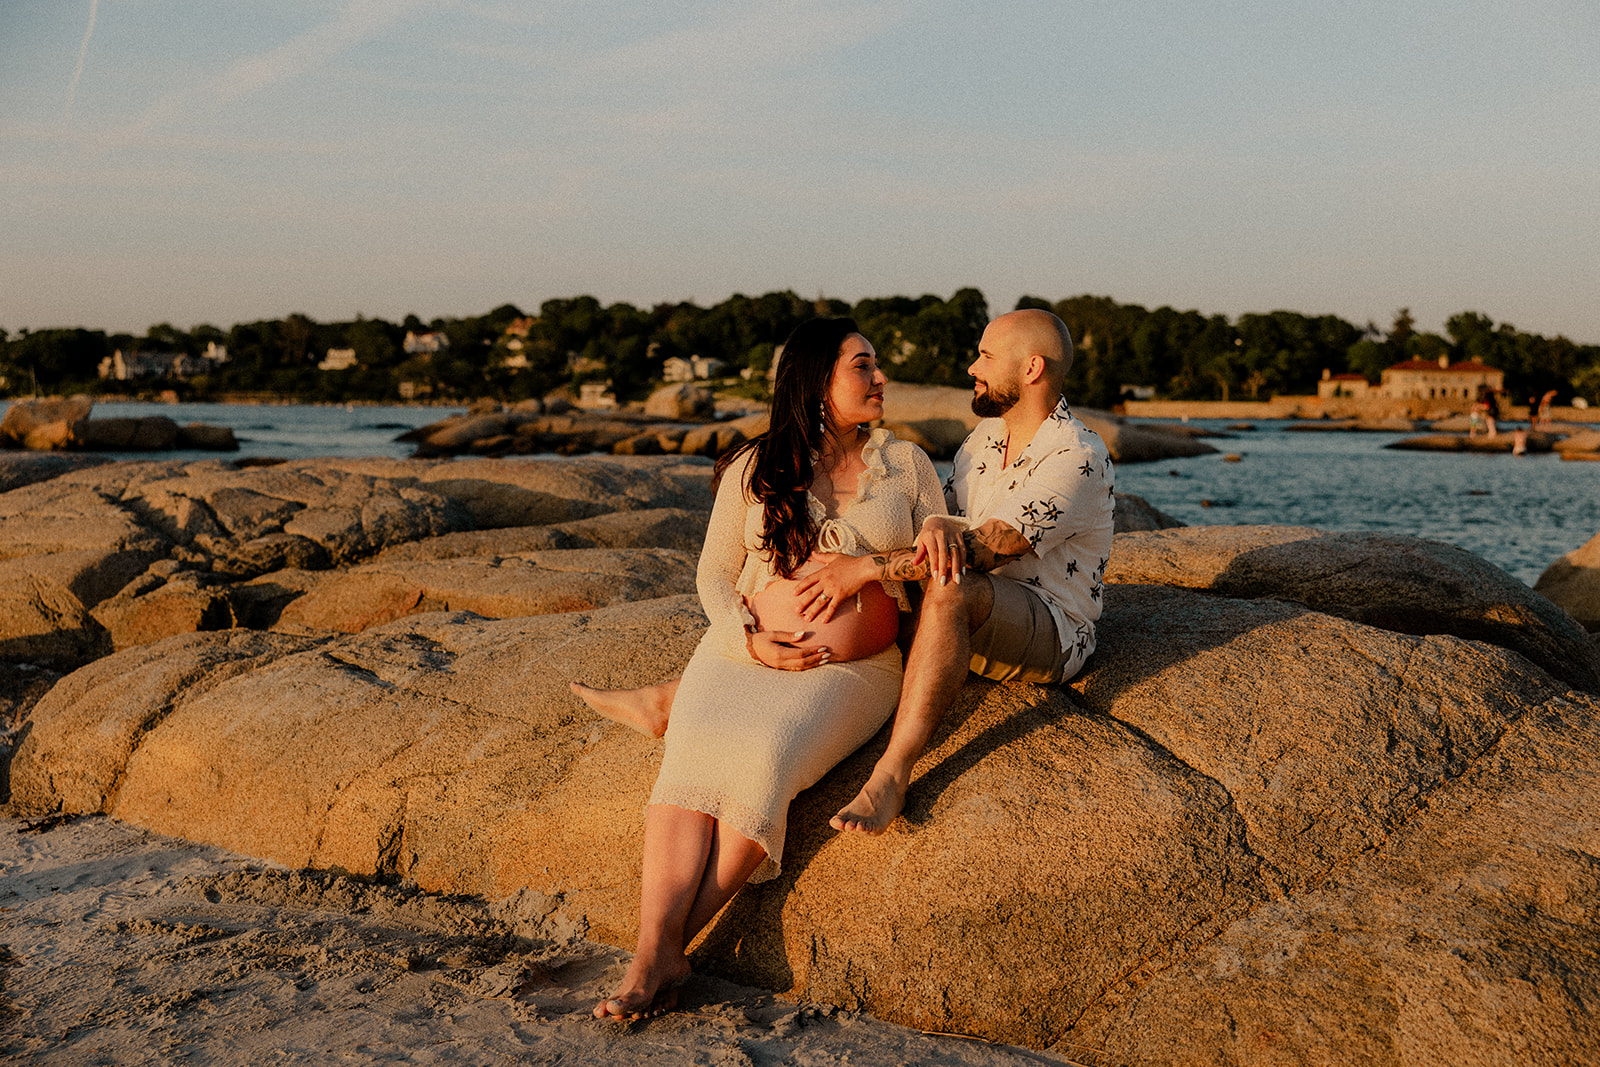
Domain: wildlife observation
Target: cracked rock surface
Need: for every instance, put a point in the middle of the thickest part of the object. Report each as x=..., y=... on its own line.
x=96, y=558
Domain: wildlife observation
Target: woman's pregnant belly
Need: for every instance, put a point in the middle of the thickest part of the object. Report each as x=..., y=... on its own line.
x=850, y=634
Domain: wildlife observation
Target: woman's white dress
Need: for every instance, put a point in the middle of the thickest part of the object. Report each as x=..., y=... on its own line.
x=744, y=738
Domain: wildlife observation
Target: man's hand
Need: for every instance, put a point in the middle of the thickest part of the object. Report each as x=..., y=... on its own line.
x=994, y=544
x=781, y=649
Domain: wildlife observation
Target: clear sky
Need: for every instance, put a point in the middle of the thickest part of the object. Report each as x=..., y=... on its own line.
x=224, y=161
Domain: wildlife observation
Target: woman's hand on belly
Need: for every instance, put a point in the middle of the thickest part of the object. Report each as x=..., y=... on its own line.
x=866, y=625
x=826, y=582
x=786, y=650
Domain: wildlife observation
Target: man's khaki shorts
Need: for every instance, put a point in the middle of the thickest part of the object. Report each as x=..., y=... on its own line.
x=1018, y=642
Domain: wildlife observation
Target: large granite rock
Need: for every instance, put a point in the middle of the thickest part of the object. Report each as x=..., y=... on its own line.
x=443, y=746
x=88, y=728
x=677, y=528
x=163, y=602
x=75, y=546
x=46, y=423
x=63, y=549
x=1418, y=805
x=215, y=509
x=534, y=583
x=1572, y=583
x=1134, y=513
x=1582, y=441
x=1406, y=584
x=1251, y=829
x=146, y=433
x=18, y=469
x=680, y=402
x=534, y=492
x=1318, y=798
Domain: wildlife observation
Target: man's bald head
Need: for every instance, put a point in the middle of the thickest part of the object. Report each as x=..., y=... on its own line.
x=1035, y=332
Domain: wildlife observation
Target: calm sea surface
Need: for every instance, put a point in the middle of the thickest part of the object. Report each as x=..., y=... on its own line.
x=1519, y=512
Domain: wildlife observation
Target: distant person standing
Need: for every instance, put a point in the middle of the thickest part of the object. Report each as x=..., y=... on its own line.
x=1483, y=413
x=1542, y=421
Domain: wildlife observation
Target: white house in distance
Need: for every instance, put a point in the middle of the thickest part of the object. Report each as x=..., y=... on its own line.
x=596, y=396
x=130, y=366
x=1346, y=386
x=1415, y=379
x=516, y=334
x=1420, y=379
x=338, y=359
x=678, y=369
x=425, y=344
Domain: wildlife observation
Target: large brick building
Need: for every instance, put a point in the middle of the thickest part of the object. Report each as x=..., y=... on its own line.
x=1441, y=380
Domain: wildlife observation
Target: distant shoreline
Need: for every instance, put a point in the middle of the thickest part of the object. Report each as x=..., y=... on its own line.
x=259, y=400
x=1316, y=407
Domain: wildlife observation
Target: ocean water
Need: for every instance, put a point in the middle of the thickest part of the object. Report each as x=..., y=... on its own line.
x=1519, y=512
x=290, y=431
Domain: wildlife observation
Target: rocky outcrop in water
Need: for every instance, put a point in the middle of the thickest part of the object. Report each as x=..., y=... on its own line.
x=938, y=418
x=1573, y=583
x=56, y=423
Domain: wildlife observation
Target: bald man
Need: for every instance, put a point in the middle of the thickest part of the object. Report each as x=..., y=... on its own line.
x=1016, y=590
x=1012, y=588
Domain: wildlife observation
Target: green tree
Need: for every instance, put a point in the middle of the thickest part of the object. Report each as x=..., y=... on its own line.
x=54, y=360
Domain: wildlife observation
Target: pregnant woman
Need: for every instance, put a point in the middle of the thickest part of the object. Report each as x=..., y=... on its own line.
x=772, y=700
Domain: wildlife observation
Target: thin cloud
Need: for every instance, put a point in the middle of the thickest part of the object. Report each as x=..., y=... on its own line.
x=83, y=50
x=356, y=22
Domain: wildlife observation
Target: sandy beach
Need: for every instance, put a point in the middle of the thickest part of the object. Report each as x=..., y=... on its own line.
x=122, y=946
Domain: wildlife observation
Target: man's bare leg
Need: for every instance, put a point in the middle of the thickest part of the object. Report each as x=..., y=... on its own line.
x=936, y=668
x=645, y=709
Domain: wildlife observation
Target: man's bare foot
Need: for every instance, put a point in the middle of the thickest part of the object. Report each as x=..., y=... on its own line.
x=650, y=988
x=875, y=807
x=645, y=709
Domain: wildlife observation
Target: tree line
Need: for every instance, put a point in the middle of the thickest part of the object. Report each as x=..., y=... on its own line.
x=511, y=354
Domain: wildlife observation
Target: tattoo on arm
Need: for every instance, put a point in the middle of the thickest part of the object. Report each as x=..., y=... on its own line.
x=994, y=544
x=896, y=566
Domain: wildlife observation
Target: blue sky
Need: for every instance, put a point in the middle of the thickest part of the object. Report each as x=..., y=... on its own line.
x=224, y=161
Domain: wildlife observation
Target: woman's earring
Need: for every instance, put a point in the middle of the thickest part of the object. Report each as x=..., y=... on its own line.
x=822, y=417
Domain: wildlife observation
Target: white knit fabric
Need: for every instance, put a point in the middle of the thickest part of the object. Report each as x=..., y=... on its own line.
x=743, y=739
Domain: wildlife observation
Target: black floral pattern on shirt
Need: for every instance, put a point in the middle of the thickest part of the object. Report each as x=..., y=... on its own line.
x=1048, y=494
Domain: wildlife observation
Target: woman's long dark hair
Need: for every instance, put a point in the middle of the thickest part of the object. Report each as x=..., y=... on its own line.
x=781, y=470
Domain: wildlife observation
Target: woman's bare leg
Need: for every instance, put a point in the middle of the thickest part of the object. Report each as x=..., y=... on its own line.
x=733, y=859
x=677, y=843
x=645, y=709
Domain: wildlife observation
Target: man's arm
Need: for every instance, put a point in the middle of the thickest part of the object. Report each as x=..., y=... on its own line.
x=994, y=544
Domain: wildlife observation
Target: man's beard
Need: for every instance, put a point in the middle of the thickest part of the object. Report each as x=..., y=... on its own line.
x=994, y=401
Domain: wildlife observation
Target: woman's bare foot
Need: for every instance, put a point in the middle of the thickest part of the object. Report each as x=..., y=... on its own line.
x=645, y=709
x=650, y=988
x=875, y=807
